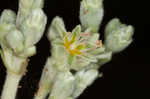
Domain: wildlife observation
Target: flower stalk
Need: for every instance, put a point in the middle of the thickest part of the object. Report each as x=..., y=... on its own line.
x=10, y=86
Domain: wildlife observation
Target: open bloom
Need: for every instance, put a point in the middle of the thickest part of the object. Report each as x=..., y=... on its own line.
x=78, y=48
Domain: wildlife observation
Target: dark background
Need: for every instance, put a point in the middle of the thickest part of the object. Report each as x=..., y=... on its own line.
x=125, y=77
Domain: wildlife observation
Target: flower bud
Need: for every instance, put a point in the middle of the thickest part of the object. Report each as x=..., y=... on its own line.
x=30, y=51
x=56, y=29
x=38, y=4
x=112, y=25
x=118, y=36
x=8, y=17
x=91, y=14
x=25, y=8
x=33, y=27
x=4, y=30
x=15, y=40
x=63, y=86
x=26, y=4
x=83, y=79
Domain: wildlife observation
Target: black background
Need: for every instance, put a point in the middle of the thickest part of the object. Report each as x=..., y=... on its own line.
x=125, y=77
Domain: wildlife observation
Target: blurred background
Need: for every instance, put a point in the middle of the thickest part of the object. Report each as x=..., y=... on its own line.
x=126, y=76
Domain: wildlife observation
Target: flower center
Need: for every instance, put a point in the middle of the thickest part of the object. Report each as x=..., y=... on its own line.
x=72, y=48
x=73, y=45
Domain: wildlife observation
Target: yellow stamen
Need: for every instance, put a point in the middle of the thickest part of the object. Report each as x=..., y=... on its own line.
x=67, y=43
x=75, y=52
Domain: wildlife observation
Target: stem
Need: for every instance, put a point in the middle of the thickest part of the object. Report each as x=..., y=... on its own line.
x=11, y=86
x=41, y=94
x=47, y=79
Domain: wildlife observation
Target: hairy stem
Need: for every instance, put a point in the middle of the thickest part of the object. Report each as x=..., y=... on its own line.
x=11, y=86
x=41, y=94
x=47, y=79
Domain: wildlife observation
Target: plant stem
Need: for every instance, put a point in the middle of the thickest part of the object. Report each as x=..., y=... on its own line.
x=47, y=79
x=41, y=94
x=11, y=86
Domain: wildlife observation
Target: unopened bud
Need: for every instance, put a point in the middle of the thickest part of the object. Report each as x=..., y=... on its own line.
x=63, y=86
x=8, y=17
x=57, y=29
x=118, y=36
x=15, y=40
x=91, y=14
x=33, y=27
x=4, y=30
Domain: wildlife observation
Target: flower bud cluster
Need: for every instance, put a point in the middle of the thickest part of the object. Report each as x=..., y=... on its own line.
x=19, y=33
